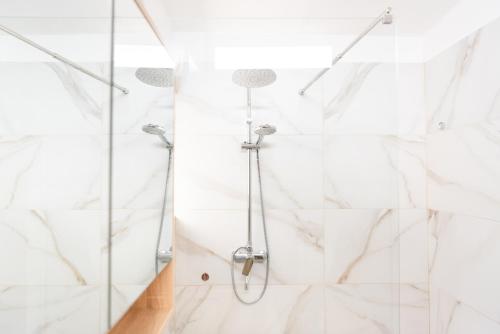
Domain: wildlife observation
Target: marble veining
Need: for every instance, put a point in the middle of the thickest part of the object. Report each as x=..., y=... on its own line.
x=345, y=274
x=57, y=251
x=336, y=107
x=464, y=59
x=89, y=108
x=39, y=309
x=291, y=309
x=462, y=79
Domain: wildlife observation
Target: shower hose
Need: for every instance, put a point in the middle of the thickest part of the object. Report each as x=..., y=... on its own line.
x=163, y=209
x=264, y=228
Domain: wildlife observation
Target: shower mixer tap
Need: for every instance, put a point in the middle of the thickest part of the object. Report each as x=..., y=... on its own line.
x=242, y=256
x=249, y=79
x=248, y=257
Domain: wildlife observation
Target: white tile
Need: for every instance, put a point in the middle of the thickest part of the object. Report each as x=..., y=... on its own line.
x=295, y=245
x=135, y=234
x=463, y=169
x=208, y=102
x=139, y=172
x=375, y=246
x=215, y=310
x=360, y=246
x=464, y=255
x=200, y=247
x=377, y=309
x=375, y=99
x=211, y=173
x=411, y=101
x=413, y=246
x=292, y=172
x=50, y=309
x=51, y=247
x=51, y=98
x=413, y=309
x=374, y=172
x=281, y=105
x=452, y=316
x=463, y=83
x=51, y=172
x=361, y=99
x=363, y=309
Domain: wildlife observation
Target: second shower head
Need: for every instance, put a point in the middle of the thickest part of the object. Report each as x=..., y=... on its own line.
x=264, y=130
x=254, y=78
x=156, y=77
x=159, y=131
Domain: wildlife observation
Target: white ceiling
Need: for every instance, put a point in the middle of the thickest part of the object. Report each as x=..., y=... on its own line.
x=67, y=8
x=413, y=16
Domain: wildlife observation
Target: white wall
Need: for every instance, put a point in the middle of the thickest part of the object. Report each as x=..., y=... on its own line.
x=462, y=90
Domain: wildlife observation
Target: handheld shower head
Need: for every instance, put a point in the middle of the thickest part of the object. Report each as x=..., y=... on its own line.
x=264, y=130
x=159, y=131
x=153, y=129
x=157, y=77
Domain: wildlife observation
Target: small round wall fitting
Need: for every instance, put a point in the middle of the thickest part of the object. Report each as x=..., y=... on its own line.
x=205, y=277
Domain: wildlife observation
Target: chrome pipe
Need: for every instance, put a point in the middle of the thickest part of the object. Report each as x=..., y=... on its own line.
x=62, y=59
x=385, y=18
x=249, y=123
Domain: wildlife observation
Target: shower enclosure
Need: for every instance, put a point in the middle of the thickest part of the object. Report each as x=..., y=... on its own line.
x=350, y=187
x=85, y=194
x=342, y=181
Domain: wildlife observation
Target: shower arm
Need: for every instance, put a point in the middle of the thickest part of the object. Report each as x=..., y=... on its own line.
x=385, y=18
x=62, y=59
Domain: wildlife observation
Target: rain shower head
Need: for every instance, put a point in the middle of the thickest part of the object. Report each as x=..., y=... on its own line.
x=157, y=130
x=157, y=77
x=264, y=130
x=254, y=78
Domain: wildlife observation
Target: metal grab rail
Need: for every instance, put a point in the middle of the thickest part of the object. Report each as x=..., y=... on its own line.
x=385, y=18
x=62, y=59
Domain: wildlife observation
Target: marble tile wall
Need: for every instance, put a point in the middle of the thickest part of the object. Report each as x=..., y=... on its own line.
x=462, y=91
x=53, y=198
x=344, y=188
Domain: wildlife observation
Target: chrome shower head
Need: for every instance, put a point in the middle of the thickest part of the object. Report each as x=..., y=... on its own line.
x=154, y=129
x=264, y=130
x=157, y=77
x=254, y=78
x=159, y=131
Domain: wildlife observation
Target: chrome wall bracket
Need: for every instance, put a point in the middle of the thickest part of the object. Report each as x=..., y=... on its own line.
x=245, y=255
x=250, y=146
x=164, y=256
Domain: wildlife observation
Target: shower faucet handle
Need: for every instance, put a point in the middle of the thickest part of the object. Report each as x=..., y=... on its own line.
x=249, y=146
x=247, y=267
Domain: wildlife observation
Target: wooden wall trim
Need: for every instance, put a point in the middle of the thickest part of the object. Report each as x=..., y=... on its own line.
x=150, y=312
